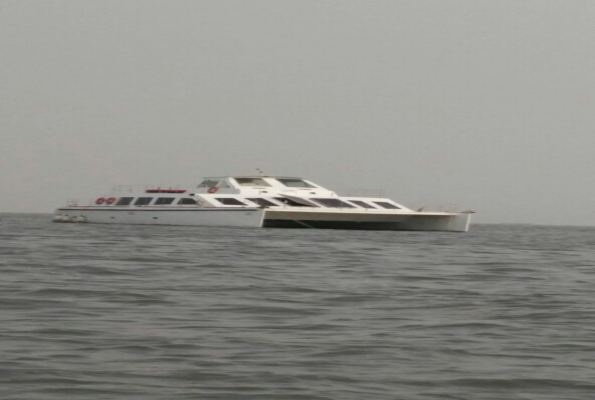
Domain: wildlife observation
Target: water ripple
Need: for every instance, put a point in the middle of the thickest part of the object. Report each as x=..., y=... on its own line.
x=105, y=312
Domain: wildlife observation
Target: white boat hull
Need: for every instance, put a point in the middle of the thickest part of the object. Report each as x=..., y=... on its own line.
x=240, y=217
x=450, y=222
x=285, y=218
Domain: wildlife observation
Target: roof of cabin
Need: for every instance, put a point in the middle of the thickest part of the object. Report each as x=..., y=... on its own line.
x=254, y=176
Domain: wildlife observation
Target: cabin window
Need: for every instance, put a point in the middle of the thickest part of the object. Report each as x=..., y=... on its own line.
x=124, y=201
x=164, y=200
x=229, y=201
x=334, y=203
x=295, y=183
x=388, y=205
x=255, y=182
x=187, y=201
x=262, y=202
x=288, y=202
x=143, y=201
x=208, y=183
x=362, y=204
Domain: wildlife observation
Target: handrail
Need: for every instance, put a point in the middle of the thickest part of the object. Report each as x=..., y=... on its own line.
x=142, y=188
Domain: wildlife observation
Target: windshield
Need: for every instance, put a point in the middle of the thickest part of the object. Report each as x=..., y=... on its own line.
x=208, y=183
x=252, y=182
x=295, y=183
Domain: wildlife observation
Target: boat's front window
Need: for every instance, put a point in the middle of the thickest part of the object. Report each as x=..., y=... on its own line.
x=334, y=203
x=295, y=183
x=229, y=201
x=262, y=202
x=164, y=200
x=143, y=201
x=258, y=182
x=208, y=183
x=385, y=204
x=124, y=201
x=362, y=204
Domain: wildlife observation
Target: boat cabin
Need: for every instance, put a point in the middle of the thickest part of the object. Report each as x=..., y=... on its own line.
x=255, y=185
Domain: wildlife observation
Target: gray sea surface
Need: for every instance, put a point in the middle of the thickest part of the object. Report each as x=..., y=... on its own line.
x=160, y=312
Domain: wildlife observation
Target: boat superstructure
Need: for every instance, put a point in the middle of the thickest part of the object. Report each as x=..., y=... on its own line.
x=258, y=201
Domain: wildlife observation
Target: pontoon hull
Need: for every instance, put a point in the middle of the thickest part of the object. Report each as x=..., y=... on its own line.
x=245, y=217
x=449, y=222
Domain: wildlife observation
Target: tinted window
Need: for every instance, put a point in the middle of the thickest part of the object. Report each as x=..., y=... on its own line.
x=362, y=204
x=143, y=201
x=164, y=200
x=228, y=201
x=208, y=183
x=295, y=183
x=335, y=203
x=124, y=201
x=187, y=201
x=386, y=205
x=292, y=203
x=263, y=202
x=252, y=182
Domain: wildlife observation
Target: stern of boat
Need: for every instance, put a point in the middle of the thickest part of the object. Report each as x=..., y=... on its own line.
x=452, y=222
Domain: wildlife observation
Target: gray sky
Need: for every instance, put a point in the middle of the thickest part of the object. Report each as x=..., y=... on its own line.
x=485, y=104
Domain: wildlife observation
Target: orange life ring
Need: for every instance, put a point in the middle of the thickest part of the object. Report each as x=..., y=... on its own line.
x=100, y=200
x=111, y=200
x=213, y=189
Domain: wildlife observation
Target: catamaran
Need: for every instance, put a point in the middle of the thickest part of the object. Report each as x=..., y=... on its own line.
x=258, y=201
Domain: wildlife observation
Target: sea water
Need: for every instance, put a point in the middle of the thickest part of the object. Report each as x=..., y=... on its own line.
x=158, y=312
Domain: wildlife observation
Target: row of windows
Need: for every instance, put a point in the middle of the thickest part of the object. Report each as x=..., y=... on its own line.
x=145, y=201
x=256, y=182
x=230, y=201
x=331, y=203
x=337, y=203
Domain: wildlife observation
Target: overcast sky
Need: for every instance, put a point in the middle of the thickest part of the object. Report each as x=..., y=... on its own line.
x=489, y=105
